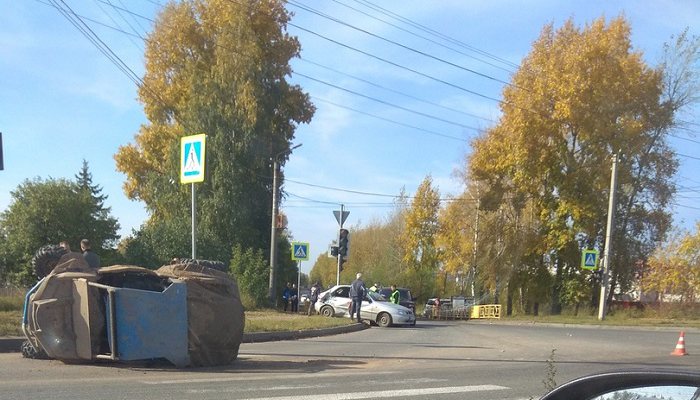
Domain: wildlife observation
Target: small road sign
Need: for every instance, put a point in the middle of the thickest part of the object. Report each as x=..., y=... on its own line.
x=192, y=155
x=300, y=251
x=589, y=259
x=341, y=216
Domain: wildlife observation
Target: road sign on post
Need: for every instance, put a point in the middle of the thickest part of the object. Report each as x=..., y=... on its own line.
x=192, y=157
x=589, y=259
x=300, y=251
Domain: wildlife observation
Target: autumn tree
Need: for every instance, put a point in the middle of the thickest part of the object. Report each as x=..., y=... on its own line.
x=420, y=254
x=580, y=96
x=217, y=67
x=674, y=268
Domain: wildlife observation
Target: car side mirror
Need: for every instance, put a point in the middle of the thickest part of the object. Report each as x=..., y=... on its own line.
x=632, y=384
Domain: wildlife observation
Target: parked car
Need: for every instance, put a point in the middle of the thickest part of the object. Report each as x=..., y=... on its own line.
x=450, y=307
x=405, y=297
x=336, y=302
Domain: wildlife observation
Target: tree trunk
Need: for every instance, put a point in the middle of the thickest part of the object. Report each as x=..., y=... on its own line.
x=556, y=289
x=509, y=301
x=536, y=309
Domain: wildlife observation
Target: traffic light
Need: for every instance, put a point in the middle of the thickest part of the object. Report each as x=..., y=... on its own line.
x=334, y=251
x=597, y=276
x=343, y=242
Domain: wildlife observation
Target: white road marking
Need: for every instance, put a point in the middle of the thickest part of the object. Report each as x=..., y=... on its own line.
x=253, y=378
x=384, y=393
x=316, y=386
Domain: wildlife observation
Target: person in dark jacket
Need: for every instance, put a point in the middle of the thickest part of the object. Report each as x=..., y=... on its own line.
x=313, y=298
x=286, y=296
x=357, y=293
x=92, y=259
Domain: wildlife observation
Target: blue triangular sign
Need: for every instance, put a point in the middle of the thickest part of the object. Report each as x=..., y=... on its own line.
x=590, y=260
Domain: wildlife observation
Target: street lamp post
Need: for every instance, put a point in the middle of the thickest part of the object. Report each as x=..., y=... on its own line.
x=273, y=227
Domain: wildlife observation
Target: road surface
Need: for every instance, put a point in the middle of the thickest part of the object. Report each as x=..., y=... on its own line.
x=435, y=359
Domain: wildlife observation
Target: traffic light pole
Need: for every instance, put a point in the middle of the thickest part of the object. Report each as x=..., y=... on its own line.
x=337, y=270
x=608, y=242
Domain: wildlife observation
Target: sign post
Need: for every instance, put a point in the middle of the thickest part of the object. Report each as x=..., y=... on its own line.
x=192, y=159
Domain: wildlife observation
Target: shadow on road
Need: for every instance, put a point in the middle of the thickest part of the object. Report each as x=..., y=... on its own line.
x=246, y=365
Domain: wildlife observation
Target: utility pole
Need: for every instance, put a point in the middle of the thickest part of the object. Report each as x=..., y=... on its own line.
x=608, y=241
x=273, y=235
x=476, y=241
x=273, y=226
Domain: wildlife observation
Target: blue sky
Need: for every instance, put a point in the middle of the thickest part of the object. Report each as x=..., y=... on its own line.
x=62, y=101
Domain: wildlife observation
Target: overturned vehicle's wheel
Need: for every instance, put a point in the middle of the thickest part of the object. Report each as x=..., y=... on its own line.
x=46, y=258
x=29, y=351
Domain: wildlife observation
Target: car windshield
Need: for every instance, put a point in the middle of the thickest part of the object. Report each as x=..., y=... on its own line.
x=375, y=296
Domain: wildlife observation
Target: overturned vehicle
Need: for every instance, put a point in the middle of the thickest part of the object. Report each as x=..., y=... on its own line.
x=188, y=312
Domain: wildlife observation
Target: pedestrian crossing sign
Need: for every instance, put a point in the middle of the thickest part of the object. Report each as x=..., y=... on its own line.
x=192, y=155
x=300, y=251
x=589, y=259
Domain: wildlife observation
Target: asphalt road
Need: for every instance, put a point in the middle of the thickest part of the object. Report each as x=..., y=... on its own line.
x=436, y=360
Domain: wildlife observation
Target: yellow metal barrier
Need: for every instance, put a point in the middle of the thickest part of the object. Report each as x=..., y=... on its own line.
x=486, y=311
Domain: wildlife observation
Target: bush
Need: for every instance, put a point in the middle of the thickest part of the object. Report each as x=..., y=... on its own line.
x=11, y=303
x=250, y=269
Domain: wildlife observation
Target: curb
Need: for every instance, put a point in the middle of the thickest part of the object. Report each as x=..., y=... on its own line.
x=585, y=326
x=13, y=344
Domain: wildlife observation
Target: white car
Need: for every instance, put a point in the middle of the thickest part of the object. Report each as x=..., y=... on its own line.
x=336, y=302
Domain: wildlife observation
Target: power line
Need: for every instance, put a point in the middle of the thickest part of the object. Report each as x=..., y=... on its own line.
x=422, y=37
x=377, y=85
x=393, y=63
x=433, y=32
x=389, y=120
x=386, y=102
x=395, y=43
x=318, y=80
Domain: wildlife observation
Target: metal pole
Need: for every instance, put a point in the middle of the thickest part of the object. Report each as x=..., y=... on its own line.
x=194, y=224
x=476, y=241
x=273, y=234
x=608, y=241
x=273, y=226
x=337, y=275
x=298, y=284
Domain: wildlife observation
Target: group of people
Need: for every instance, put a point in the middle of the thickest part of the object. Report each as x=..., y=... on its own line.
x=358, y=292
x=91, y=258
x=290, y=298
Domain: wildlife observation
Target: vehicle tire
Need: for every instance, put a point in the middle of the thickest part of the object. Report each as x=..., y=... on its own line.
x=384, y=320
x=46, y=258
x=29, y=351
x=327, y=311
x=217, y=265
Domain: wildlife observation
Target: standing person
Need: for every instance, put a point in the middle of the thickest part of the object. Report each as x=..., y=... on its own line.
x=294, y=298
x=313, y=297
x=357, y=292
x=395, y=295
x=92, y=259
x=286, y=296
